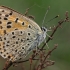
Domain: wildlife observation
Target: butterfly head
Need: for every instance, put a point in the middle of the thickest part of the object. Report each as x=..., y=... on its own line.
x=44, y=29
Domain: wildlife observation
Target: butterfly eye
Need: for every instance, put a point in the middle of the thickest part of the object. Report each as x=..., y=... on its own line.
x=43, y=28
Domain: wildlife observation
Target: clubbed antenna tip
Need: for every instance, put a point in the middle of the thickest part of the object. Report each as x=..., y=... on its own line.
x=57, y=16
x=52, y=19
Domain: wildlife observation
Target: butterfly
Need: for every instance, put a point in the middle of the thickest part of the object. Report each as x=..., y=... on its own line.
x=19, y=34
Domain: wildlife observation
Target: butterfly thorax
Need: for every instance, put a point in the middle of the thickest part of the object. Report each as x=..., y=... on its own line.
x=42, y=36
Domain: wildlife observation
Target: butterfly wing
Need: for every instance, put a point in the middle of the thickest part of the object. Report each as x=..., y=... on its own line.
x=17, y=34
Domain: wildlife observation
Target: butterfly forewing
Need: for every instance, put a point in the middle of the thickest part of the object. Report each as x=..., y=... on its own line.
x=18, y=34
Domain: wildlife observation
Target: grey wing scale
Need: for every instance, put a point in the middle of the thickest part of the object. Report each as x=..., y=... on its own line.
x=19, y=44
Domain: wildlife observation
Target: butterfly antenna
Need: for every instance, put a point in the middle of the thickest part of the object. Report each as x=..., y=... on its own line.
x=35, y=5
x=45, y=15
x=52, y=19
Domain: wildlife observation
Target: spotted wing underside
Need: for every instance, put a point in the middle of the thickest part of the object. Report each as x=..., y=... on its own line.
x=17, y=34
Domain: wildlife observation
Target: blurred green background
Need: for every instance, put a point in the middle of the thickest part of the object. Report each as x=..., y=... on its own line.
x=61, y=55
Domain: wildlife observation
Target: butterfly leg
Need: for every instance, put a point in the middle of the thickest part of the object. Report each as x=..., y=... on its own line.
x=26, y=14
x=37, y=49
x=49, y=36
x=32, y=17
x=46, y=44
x=45, y=41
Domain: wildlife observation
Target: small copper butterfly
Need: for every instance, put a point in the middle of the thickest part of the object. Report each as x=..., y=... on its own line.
x=18, y=34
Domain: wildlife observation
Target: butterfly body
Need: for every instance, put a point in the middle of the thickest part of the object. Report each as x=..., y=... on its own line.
x=18, y=34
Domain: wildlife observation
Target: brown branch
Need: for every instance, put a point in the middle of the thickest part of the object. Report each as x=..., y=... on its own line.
x=40, y=66
x=55, y=28
x=7, y=65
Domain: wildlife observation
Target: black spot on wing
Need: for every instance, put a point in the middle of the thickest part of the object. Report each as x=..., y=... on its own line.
x=21, y=32
x=8, y=41
x=6, y=15
x=9, y=56
x=1, y=27
x=22, y=23
x=14, y=37
x=9, y=22
x=3, y=46
x=28, y=44
x=5, y=32
x=16, y=42
x=0, y=22
x=5, y=18
x=4, y=50
x=4, y=38
x=8, y=26
x=16, y=20
x=16, y=28
x=11, y=13
x=22, y=47
x=27, y=38
x=3, y=11
x=0, y=17
x=0, y=40
x=29, y=26
x=16, y=50
x=12, y=33
x=28, y=33
x=4, y=55
x=0, y=48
